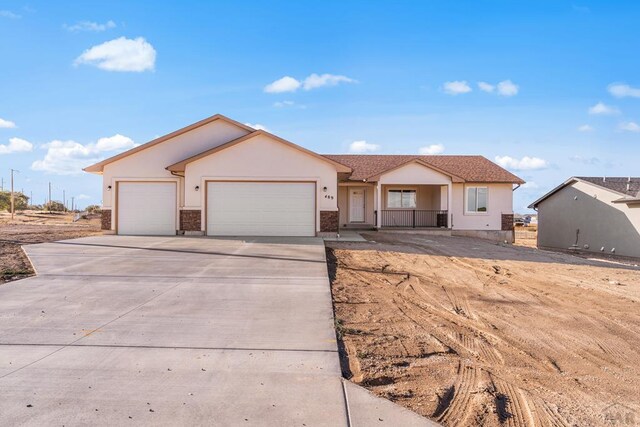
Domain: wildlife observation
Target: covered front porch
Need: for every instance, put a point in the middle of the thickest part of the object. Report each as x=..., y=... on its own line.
x=376, y=205
x=412, y=206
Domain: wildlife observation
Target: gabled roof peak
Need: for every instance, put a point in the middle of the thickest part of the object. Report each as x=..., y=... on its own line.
x=98, y=167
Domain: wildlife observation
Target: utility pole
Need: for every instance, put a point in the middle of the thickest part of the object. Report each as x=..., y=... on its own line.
x=49, y=196
x=64, y=201
x=13, y=204
x=72, y=204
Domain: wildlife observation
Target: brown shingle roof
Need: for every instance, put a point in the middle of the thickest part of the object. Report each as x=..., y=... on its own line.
x=469, y=168
x=628, y=186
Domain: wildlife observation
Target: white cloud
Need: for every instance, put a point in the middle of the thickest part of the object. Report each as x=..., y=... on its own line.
x=120, y=54
x=431, y=149
x=9, y=14
x=315, y=81
x=285, y=84
x=526, y=163
x=89, y=26
x=486, y=87
x=113, y=143
x=82, y=197
x=585, y=128
x=6, y=124
x=363, y=147
x=507, y=88
x=629, y=126
x=16, y=145
x=456, y=87
x=603, y=109
x=621, y=90
x=503, y=88
x=281, y=104
x=257, y=126
x=69, y=157
x=585, y=160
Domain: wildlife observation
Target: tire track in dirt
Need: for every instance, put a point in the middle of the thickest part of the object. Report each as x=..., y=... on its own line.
x=456, y=404
x=549, y=416
x=512, y=405
x=545, y=348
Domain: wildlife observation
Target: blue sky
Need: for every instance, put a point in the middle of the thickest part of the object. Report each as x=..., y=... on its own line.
x=549, y=89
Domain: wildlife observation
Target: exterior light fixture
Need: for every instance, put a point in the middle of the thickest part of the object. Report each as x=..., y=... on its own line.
x=197, y=188
x=108, y=188
x=324, y=189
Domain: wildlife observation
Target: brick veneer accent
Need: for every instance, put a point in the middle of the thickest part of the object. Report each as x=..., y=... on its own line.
x=507, y=222
x=105, y=221
x=329, y=221
x=190, y=220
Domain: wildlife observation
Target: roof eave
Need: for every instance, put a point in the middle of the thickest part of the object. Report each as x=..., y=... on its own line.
x=454, y=178
x=181, y=165
x=99, y=167
x=555, y=190
x=626, y=200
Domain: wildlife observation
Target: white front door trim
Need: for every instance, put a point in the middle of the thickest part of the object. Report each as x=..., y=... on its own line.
x=357, y=203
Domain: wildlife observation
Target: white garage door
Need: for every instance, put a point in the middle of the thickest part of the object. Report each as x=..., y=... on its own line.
x=147, y=208
x=260, y=209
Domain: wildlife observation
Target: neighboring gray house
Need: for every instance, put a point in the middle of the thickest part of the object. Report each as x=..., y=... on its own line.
x=595, y=214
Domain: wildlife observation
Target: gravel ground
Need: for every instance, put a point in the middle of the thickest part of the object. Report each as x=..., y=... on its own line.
x=32, y=227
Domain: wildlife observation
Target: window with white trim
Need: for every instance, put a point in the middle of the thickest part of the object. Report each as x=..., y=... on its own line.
x=477, y=200
x=401, y=199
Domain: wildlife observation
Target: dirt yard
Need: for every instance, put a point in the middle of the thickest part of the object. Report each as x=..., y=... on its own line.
x=35, y=227
x=526, y=236
x=468, y=333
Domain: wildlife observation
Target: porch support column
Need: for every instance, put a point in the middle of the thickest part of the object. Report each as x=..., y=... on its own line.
x=378, y=204
x=449, y=198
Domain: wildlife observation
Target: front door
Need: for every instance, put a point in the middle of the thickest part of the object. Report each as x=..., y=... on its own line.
x=356, y=205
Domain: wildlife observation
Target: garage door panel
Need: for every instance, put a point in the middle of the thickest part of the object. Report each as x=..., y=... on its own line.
x=146, y=208
x=260, y=209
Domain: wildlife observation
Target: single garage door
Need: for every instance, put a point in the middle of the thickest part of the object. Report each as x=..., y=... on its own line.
x=261, y=209
x=147, y=208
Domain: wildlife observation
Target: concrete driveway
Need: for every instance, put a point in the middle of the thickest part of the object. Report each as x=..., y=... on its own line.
x=176, y=331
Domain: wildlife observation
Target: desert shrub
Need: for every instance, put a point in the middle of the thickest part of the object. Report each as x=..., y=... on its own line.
x=20, y=200
x=53, y=206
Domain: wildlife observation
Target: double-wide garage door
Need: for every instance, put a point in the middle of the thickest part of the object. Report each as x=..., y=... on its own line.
x=146, y=208
x=233, y=208
x=261, y=208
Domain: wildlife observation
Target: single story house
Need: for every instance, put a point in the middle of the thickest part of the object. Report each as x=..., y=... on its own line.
x=593, y=214
x=220, y=177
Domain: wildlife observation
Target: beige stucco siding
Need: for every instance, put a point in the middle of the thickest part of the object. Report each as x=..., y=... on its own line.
x=149, y=164
x=413, y=174
x=261, y=159
x=500, y=201
x=583, y=214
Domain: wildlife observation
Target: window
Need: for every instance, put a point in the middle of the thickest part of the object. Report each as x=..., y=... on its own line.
x=398, y=199
x=477, y=199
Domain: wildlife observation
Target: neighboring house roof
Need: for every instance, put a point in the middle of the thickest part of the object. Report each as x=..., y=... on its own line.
x=468, y=168
x=627, y=187
x=98, y=167
x=180, y=166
